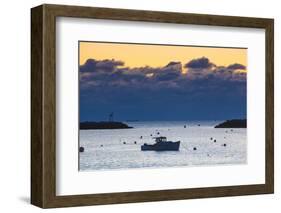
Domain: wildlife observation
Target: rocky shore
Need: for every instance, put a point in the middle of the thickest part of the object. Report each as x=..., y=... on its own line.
x=104, y=125
x=235, y=123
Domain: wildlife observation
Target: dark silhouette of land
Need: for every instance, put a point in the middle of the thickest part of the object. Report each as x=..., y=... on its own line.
x=104, y=125
x=235, y=123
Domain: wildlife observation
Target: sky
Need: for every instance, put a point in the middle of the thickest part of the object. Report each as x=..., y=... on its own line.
x=161, y=82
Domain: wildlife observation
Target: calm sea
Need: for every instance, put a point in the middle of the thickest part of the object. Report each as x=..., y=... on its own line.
x=121, y=148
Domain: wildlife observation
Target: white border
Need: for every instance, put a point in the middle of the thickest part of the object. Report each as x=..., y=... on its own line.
x=70, y=181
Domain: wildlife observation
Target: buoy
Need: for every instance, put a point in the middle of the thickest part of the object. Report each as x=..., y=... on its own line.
x=194, y=148
x=81, y=149
x=224, y=144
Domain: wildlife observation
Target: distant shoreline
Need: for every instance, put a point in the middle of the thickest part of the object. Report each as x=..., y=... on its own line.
x=88, y=125
x=235, y=123
x=103, y=125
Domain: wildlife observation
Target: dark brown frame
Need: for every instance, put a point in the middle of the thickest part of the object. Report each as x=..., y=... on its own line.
x=43, y=105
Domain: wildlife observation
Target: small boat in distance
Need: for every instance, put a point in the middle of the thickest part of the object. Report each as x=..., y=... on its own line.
x=161, y=145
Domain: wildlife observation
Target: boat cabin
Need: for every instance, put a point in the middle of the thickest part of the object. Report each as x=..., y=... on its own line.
x=160, y=139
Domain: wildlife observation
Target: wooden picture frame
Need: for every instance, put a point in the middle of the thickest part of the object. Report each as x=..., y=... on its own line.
x=43, y=105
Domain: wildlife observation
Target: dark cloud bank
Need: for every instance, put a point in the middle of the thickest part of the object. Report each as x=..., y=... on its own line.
x=205, y=92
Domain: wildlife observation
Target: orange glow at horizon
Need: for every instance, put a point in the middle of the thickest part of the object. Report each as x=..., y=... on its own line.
x=140, y=55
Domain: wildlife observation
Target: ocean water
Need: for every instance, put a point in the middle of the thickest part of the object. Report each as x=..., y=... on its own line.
x=105, y=149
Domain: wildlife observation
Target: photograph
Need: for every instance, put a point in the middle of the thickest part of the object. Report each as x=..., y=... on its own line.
x=170, y=105
x=161, y=106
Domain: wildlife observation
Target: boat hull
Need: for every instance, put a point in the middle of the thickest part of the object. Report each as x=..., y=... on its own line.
x=167, y=146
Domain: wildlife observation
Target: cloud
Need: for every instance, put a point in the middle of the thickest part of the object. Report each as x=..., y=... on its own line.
x=114, y=73
x=151, y=91
x=172, y=71
x=237, y=67
x=91, y=65
x=98, y=70
x=200, y=63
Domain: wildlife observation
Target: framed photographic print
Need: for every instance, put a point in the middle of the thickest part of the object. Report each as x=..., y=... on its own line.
x=136, y=106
